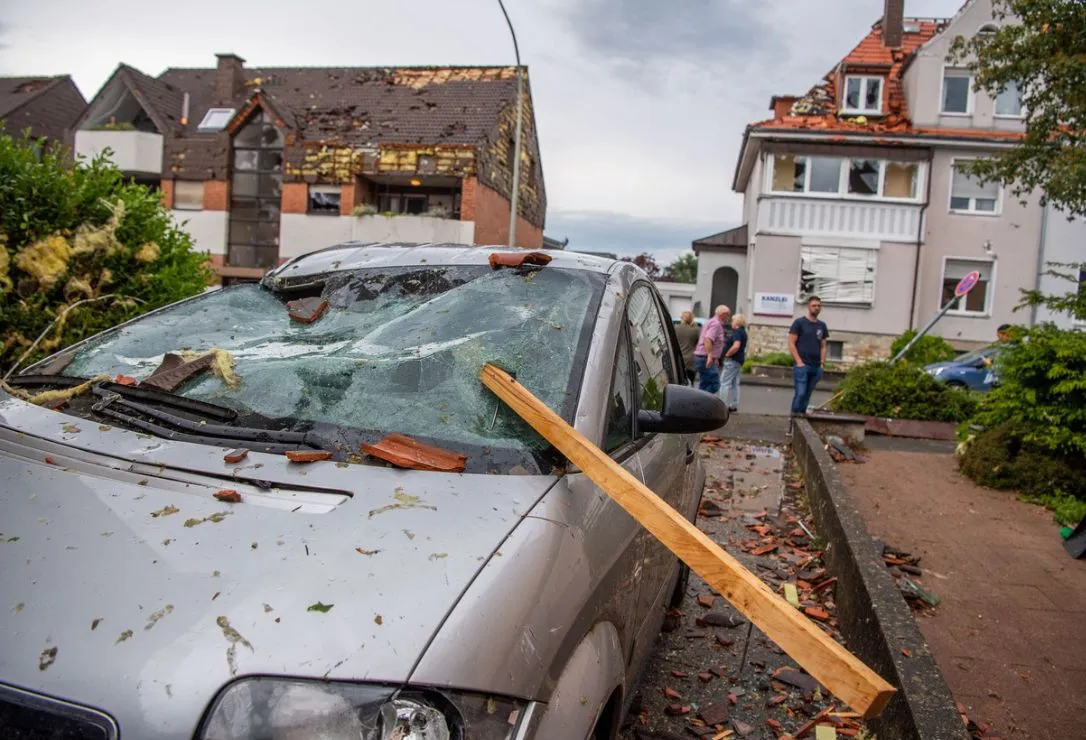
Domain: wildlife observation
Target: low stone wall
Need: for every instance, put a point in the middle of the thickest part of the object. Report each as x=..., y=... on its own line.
x=856, y=347
x=874, y=618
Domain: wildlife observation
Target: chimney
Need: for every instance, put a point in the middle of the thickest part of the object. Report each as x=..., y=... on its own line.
x=229, y=78
x=893, y=23
x=781, y=105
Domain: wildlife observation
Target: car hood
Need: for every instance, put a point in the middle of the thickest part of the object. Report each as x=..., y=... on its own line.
x=128, y=566
x=939, y=366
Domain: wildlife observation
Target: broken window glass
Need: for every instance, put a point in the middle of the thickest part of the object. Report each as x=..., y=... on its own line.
x=838, y=274
x=863, y=176
x=324, y=199
x=651, y=355
x=620, y=410
x=901, y=179
x=789, y=173
x=398, y=350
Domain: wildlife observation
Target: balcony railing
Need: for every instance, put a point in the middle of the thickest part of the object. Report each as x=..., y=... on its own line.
x=827, y=217
x=134, y=152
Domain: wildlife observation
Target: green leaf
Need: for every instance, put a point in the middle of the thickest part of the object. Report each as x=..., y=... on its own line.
x=319, y=607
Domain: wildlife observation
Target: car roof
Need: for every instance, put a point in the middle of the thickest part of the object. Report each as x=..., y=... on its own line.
x=356, y=255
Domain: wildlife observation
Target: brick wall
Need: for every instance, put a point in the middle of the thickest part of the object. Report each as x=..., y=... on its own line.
x=166, y=190
x=216, y=195
x=857, y=347
x=351, y=195
x=468, y=188
x=491, y=216
x=295, y=197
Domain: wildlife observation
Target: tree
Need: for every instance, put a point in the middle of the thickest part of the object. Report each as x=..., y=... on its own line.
x=647, y=263
x=684, y=269
x=1041, y=50
x=81, y=250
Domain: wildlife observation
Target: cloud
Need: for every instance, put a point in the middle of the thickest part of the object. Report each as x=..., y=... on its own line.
x=625, y=235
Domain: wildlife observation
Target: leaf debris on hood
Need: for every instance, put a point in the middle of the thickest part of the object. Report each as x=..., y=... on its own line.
x=364, y=551
x=165, y=511
x=404, y=501
x=214, y=518
x=47, y=658
x=268, y=608
x=319, y=607
x=228, y=495
x=158, y=615
x=18, y=607
x=234, y=638
x=95, y=622
x=123, y=636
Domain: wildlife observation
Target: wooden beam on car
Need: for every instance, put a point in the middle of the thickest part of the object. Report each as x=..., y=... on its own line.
x=842, y=673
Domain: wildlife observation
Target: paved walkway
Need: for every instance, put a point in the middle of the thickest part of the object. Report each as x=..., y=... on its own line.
x=1010, y=633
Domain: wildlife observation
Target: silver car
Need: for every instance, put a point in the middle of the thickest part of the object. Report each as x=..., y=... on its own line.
x=160, y=582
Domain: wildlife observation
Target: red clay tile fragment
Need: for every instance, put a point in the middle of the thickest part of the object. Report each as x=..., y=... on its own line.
x=705, y=676
x=306, y=456
x=307, y=310
x=405, y=452
x=763, y=550
x=174, y=371
x=816, y=613
x=125, y=380
x=229, y=496
x=517, y=259
x=778, y=699
x=235, y=456
x=679, y=674
x=810, y=724
x=824, y=585
x=906, y=653
x=677, y=709
x=671, y=693
x=714, y=713
x=775, y=724
x=706, y=600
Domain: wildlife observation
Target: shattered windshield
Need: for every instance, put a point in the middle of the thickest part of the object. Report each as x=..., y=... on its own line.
x=395, y=350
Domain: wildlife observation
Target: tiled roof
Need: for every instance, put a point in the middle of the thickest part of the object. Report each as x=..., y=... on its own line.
x=367, y=105
x=15, y=91
x=818, y=110
x=163, y=100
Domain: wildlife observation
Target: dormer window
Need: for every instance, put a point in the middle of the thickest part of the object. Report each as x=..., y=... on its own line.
x=862, y=95
x=216, y=119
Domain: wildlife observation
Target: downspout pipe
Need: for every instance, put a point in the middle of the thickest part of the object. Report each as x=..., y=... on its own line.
x=920, y=241
x=1040, y=262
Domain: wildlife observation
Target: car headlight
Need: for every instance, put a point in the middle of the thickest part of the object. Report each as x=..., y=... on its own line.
x=935, y=372
x=288, y=709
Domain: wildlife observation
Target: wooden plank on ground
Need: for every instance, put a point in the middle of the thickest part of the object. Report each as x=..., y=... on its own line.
x=838, y=670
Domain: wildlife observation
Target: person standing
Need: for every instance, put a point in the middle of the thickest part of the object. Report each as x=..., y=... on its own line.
x=688, y=334
x=807, y=343
x=709, y=349
x=734, y=357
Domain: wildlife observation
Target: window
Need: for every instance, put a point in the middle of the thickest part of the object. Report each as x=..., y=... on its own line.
x=620, y=407
x=900, y=180
x=1009, y=102
x=835, y=350
x=216, y=119
x=957, y=98
x=256, y=186
x=799, y=174
x=968, y=196
x=188, y=196
x=652, y=354
x=975, y=301
x=402, y=203
x=825, y=174
x=325, y=199
x=838, y=274
x=863, y=176
x=863, y=95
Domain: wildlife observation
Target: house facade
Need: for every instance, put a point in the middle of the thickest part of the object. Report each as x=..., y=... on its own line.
x=854, y=192
x=261, y=165
x=47, y=106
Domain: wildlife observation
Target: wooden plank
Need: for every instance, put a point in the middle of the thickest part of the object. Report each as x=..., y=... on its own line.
x=835, y=668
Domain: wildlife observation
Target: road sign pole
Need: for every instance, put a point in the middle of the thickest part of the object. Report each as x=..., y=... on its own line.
x=965, y=285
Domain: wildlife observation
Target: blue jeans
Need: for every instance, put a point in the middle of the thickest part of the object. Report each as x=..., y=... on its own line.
x=708, y=377
x=729, y=386
x=805, y=379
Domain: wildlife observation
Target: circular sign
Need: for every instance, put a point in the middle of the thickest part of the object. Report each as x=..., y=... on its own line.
x=966, y=284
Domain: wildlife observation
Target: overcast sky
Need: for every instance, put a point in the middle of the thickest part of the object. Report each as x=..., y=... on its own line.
x=640, y=104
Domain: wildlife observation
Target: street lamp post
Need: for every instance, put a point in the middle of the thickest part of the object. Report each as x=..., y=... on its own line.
x=514, y=200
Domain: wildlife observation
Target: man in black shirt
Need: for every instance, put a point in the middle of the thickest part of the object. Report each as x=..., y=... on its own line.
x=807, y=343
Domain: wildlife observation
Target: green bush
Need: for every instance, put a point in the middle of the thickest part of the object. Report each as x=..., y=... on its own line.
x=1042, y=391
x=901, y=391
x=929, y=349
x=78, y=233
x=1000, y=458
x=776, y=359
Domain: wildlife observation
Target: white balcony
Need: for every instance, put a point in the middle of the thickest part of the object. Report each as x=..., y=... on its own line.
x=844, y=218
x=134, y=152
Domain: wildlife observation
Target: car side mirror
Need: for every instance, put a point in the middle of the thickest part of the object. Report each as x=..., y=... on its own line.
x=685, y=410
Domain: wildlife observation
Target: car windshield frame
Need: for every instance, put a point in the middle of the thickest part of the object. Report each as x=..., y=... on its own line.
x=513, y=443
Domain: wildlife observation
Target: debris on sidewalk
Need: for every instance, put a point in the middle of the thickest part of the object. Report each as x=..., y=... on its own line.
x=902, y=565
x=840, y=451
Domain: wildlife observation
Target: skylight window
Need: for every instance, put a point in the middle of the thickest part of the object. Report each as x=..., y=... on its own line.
x=911, y=27
x=216, y=119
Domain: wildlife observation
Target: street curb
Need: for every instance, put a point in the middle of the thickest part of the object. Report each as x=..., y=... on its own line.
x=875, y=620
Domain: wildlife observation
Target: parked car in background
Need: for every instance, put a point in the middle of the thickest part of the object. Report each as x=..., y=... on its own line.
x=968, y=370
x=160, y=584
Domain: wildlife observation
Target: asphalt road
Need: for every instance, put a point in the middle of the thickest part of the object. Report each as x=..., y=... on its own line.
x=772, y=401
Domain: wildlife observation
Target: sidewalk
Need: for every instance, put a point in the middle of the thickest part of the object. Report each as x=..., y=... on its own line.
x=1009, y=633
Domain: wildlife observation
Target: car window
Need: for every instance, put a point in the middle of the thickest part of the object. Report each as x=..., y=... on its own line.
x=397, y=350
x=652, y=354
x=620, y=407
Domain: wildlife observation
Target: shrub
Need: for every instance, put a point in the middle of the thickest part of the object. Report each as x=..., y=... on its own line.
x=1042, y=391
x=929, y=349
x=776, y=359
x=83, y=233
x=901, y=391
x=1000, y=458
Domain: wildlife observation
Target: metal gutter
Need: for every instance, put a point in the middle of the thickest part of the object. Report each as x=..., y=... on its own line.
x=920, y=242
x=882, y=139
x=1040, y=261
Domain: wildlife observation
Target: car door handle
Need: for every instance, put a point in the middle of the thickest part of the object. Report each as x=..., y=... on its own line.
x=690, y=454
